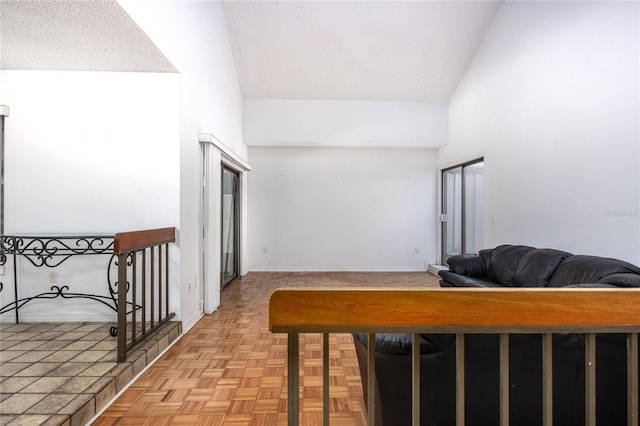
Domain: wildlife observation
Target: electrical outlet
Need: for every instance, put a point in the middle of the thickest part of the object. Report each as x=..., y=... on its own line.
x=265, y=250
x=417, y=250
x=53, y=277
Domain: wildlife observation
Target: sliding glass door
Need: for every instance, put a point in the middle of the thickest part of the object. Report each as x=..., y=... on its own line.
x=451, y=217
x=230, y=264
x=462, y=209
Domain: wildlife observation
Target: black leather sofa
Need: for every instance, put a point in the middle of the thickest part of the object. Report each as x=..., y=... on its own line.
x=523, y=266
x=513, y=266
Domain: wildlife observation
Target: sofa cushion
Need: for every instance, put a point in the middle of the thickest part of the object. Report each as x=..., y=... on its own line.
x=504, y=263
x=537, y=266
x=470, y=265
x=485, y=254
x=589, y=269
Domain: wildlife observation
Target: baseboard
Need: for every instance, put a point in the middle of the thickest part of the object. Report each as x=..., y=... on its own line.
x=324, y=269
x=186, y=325
x=434, y=269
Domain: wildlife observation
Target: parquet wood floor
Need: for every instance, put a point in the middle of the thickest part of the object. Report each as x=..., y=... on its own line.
x=230, y=370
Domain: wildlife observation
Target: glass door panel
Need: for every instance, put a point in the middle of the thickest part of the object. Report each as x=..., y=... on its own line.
x=451, y=213
x=462, y=209
x=473, y=176
x=230, y=229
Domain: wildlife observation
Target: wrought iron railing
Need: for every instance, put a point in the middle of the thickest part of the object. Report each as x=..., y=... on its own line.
x=143, y=281
x=460, y=312
x=138, y=292
x=51, y=252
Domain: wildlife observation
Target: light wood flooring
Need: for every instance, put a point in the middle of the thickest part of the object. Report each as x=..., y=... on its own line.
x=230, y=370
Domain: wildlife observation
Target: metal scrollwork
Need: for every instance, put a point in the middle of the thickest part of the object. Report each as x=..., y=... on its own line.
x=63, y=292
x=113, y=286
x=3, y=261
x=3, y=258
x=53, y=251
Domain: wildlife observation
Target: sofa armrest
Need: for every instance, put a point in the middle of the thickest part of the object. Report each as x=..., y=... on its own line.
x=451, y=279
x=622, y=280
x=470, y=265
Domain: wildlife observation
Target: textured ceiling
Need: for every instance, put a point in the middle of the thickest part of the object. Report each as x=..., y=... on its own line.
x=358, y=50
x=352, y=50
x=75, y=36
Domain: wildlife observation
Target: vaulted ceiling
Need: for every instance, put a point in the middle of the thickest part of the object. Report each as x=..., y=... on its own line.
x=355, y=50
x=358, y=50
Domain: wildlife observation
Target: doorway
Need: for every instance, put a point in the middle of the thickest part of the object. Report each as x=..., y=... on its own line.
x=223, y=220
x=230, y=232
x=462, y=209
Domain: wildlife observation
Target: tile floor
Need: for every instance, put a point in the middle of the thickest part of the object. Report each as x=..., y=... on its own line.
x=64, y=373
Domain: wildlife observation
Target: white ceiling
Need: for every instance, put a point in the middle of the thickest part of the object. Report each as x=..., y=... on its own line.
x=74, y=36
x=354, y=50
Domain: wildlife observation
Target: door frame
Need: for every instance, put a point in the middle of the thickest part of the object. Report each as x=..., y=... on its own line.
x=214, y=155
x=442, y=216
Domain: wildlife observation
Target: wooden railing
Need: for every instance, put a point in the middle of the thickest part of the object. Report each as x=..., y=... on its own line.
x=143, y=284
x=460, y=311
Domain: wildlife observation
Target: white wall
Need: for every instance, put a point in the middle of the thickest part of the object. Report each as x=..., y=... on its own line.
x=193, y=36
x=86, y=153
x=551, y=100
x=341, y=209
x=286, y=122
x=342, y=185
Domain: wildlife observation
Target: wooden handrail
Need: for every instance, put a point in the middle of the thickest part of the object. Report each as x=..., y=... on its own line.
x=459, y=311
x=153, y=282
x=125, y=242
x=453, y=310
